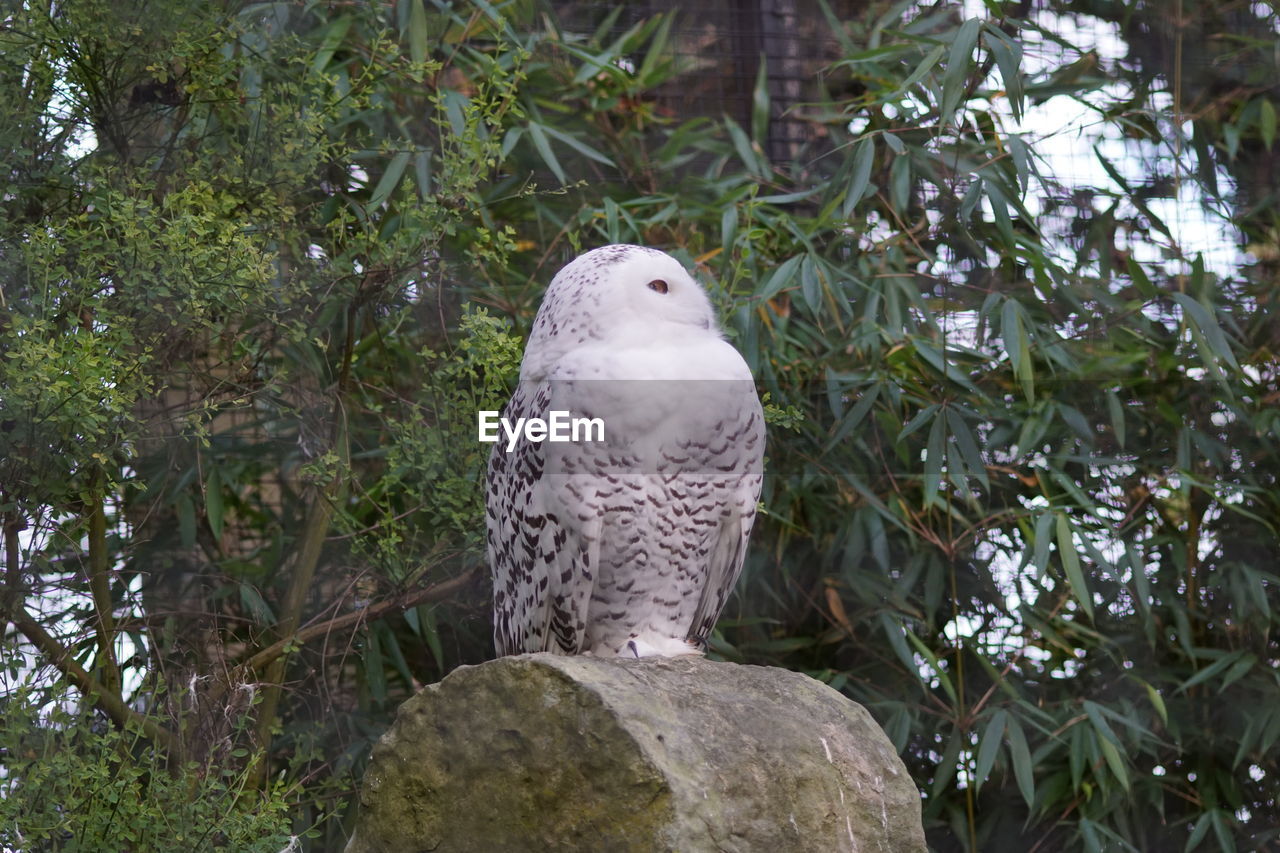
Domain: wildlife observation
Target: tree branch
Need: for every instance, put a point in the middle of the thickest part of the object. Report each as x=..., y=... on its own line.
x=100, y=591
x=110, y=702
x=435, y=592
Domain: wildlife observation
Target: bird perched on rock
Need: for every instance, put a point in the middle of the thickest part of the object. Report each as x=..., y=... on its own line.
x=627, y=539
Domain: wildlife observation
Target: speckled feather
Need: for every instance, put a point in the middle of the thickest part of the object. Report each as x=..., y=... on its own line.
x=630, y=546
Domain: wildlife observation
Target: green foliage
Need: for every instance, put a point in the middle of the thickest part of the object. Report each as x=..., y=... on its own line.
x=434, y=470
x=1021, y=496
x=74, y=784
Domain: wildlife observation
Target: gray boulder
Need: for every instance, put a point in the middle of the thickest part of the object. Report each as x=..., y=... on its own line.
x=548, y=753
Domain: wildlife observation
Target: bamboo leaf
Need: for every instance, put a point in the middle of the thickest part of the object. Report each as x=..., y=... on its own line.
x=1116, y=411
x=855, y=415
x=417, y=31
x=1071, y=565
x=749, y=154
x=333, y=36
x=989, y=743
x=1041, y=541
x=811, y=286
x=577, y=145
x=374, y=669
x=933, y=462
x=1157, y=702
x=1020, y=756
x=863, y=158
x=946, y=768
x=1238, y=670
x=1008, y=56
x=781, y=277
x=1016, y=345
x=728, y=229
x=255, y=605
x=959, y=64
x=938, y=670
x=924, y=67
x=921, y=418
x=760, y=104
x=969, y=451
x=389, y=181
x=1204, y=321
x=538, y=134
x=1211, y=670
x=894, y=633
x=422, y=173
x=213, y=506
x=186, y=520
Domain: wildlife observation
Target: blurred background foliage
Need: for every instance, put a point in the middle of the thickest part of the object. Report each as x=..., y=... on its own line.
x=1010, y=266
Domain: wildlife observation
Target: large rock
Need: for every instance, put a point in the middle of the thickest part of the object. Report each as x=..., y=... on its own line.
x=548, y=753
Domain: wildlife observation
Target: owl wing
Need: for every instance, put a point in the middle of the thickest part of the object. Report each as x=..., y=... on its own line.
x=737, y=452
x=543, y=540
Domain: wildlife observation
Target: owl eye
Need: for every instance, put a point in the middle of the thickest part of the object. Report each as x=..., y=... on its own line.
x=658, y=286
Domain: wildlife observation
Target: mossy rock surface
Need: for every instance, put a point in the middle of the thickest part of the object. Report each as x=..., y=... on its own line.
x=548, y=753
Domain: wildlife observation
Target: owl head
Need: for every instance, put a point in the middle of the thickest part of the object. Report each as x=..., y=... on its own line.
x=616, y=294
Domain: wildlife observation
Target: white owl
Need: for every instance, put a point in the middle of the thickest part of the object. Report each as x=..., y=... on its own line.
x=628, y=545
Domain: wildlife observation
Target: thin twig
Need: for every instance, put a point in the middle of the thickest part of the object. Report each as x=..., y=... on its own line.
x=435, y=592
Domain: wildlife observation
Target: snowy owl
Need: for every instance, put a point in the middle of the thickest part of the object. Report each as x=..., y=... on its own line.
x=625, y=540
